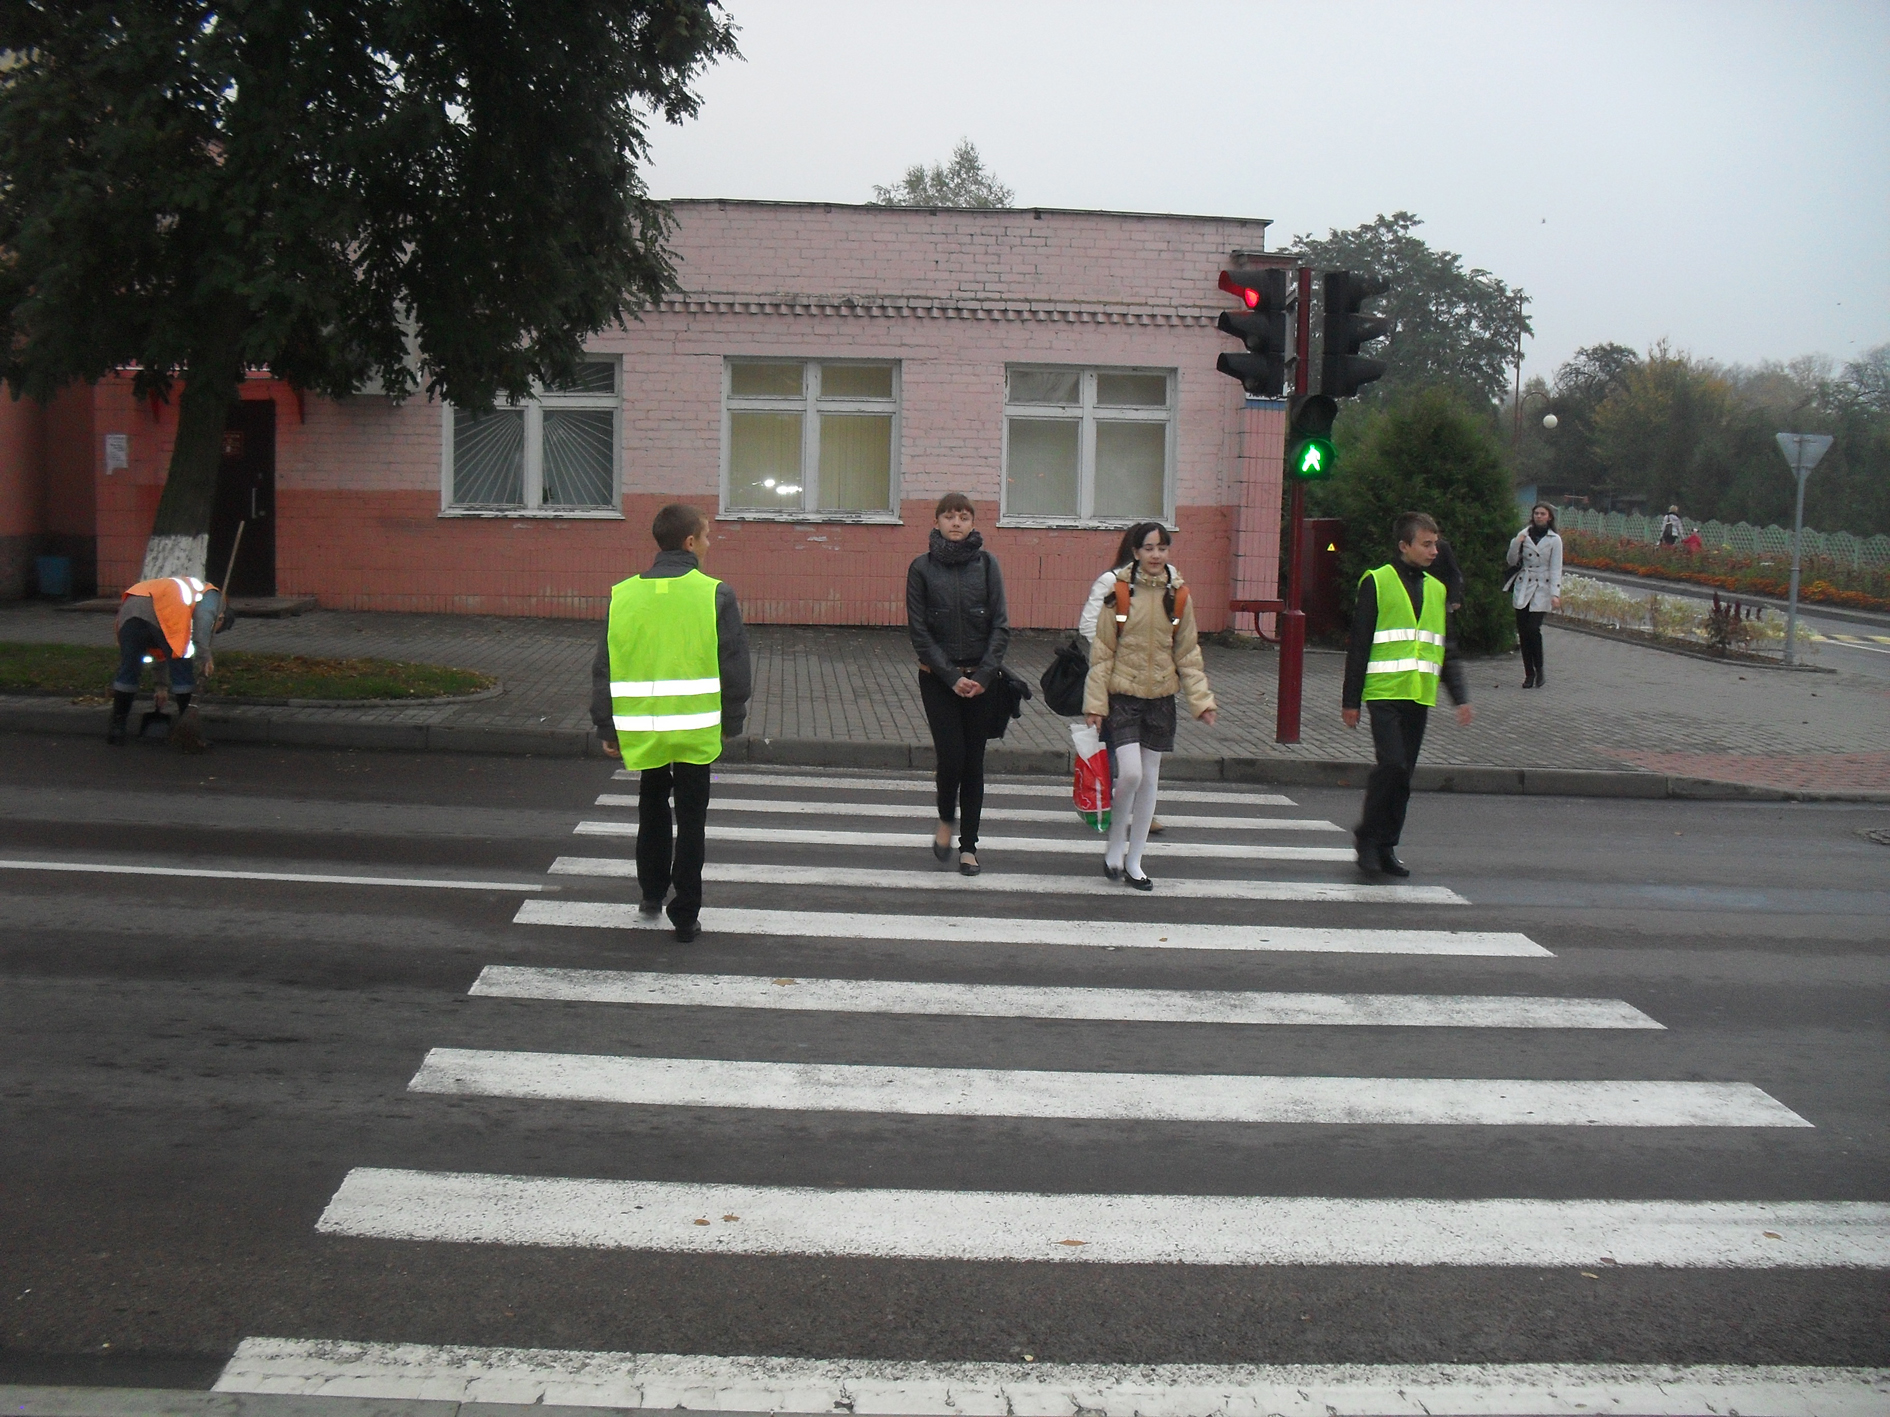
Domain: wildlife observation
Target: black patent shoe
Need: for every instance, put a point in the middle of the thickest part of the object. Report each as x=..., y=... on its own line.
x=1389, y=863
x=1114, y=873
x=1137, y=883
x=968, y=864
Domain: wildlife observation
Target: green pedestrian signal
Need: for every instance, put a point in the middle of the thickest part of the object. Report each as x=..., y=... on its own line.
x=1309, y=452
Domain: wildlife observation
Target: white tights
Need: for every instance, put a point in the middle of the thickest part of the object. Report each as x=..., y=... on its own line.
x=1138, y=773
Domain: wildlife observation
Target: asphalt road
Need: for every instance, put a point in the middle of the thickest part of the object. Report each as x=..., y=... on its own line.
x=200, y=1067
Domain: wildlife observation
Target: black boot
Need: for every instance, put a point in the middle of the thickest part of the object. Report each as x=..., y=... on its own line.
x=1542, y=679
x=121, y=714
x=1389, y=863
x=1367, y=855
x=1529, y=678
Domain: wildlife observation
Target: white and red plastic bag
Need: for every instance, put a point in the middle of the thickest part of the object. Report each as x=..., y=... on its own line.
x=1090, y=792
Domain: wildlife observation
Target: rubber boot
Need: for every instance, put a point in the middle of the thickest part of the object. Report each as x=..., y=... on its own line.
x=121, y=715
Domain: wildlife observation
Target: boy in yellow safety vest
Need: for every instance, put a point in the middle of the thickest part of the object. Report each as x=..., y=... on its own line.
x=1399, y=651
x=670, y=681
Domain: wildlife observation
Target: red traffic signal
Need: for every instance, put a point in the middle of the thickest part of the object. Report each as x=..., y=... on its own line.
x=1262, y=369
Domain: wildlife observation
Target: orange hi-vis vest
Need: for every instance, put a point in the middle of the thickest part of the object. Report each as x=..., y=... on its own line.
x=175, y=600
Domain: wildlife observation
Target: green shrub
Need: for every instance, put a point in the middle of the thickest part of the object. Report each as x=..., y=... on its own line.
x=1429, y=452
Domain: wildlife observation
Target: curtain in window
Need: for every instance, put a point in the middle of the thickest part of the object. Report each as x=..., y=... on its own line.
x=764, y=461
x=1130, y=461
x=1041, y=467
x=855, y=462
x=489, y=458
x=577, y=456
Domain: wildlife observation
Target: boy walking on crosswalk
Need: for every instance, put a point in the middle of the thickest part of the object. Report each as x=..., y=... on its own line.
x=1399, y=650
x=670, y=681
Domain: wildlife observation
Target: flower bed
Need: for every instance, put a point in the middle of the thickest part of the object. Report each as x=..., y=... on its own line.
x=1723, y=627
x=1819, y=579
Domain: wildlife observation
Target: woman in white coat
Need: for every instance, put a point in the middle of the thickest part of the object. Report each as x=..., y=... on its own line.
x=1535, y=586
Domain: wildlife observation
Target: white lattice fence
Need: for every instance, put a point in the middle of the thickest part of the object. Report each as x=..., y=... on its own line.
x=1742, y=537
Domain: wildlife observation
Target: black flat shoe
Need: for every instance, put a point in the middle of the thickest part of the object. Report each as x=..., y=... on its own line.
x=1114, y=873
x=1542, y=680
x=1139, y=883
x=649, y=909
x=968, y=868
x=1367, y=856
x=942, y=850
x=686, y=934
x=1389, y=863
x=1529, y=679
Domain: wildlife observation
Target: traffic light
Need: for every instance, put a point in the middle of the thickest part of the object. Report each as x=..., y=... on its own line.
x=1309, y=451
x=1262, y=369
x=1342, y=372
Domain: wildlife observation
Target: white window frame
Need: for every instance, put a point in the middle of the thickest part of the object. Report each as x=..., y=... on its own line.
x=532, y=487
x=1087, y=414
x=810, y=405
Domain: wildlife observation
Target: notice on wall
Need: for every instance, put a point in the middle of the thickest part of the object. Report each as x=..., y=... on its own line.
x=117, y=452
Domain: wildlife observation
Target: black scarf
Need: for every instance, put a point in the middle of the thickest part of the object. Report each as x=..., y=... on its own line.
x=1536, y=533
x=955, y=553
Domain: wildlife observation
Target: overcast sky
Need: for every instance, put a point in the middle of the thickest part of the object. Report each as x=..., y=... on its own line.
x=1714, y=174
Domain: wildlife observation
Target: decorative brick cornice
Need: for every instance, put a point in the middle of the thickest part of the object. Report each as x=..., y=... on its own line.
x=882, y=307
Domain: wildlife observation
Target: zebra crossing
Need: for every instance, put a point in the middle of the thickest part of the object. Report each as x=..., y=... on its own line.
x=880, y=933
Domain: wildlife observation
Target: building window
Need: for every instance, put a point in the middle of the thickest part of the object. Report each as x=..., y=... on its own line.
x=810, y=439
x=555, y=455
x=1088, y=445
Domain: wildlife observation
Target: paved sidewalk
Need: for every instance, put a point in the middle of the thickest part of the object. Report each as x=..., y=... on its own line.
x=1610, y=705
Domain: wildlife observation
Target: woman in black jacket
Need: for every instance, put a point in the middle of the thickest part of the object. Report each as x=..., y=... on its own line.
x=955, y=614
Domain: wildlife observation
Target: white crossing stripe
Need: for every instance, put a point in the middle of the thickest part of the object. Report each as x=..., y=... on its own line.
x=757, y=873
x=976, y=930
x=691, y=1218
x=1191, y=1006
x=1054, y=846
x=991, y=814
x=837, y=782
x=297, y=877
x=1116, y=1097
x=865, y=1387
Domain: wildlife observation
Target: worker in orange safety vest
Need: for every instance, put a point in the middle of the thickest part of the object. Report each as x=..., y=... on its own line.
x=167, y=623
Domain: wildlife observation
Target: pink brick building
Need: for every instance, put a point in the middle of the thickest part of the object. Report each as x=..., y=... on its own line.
x=827, y=373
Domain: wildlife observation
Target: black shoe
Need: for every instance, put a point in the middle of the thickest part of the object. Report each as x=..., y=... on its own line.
x=1529, y=679
x=942, y=851
x=686, y=933
x=1542, y=679
x=1389, y=863
x=1367, y=855
x=968, y=868
x=1114, y=873
x=1139, y=883
x=649, y=909
x=115, y=732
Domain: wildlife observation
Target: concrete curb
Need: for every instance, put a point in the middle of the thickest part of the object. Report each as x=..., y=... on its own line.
x=256, y=727
x=175, y=1402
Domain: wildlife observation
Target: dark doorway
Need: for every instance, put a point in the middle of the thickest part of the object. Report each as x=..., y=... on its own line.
x=246, y=497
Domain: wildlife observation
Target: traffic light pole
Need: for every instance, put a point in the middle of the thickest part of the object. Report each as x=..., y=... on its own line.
x=1293, y=620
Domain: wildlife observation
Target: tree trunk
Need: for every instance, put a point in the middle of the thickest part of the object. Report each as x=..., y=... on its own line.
x=180, y=533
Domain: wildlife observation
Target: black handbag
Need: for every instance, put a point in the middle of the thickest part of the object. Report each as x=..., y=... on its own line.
x=1063, y=681
x=1009, y=694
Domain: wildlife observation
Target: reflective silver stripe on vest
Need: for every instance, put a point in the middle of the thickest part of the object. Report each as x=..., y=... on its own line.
x=1423, y=637
x=664, y=722
x=662, y=688
x=1402, y=666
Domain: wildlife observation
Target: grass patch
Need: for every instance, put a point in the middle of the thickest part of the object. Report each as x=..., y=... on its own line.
x=241, y=674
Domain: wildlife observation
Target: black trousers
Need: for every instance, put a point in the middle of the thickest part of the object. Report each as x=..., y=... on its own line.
x=1529, y=631
x=669, y=856
x=959, y=730
x=1397, y=734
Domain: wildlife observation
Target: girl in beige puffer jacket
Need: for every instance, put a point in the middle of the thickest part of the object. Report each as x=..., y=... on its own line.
x=1140, y=660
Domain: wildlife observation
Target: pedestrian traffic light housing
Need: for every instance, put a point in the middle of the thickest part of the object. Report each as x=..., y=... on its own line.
x=1262, y=369
x=1343, y=372
x=1310, y=454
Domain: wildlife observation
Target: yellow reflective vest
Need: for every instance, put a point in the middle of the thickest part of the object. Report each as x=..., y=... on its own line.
x=665, y=671
x=1407, y=651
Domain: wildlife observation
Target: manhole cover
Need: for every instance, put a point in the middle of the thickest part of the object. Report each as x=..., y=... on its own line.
x=1880, y=835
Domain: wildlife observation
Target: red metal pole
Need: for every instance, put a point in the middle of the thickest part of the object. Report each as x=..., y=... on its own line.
x=1293, y=621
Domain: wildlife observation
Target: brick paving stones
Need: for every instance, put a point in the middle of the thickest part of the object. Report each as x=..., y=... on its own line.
x=1610, y=705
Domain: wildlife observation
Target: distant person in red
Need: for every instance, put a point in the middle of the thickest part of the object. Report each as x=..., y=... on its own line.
x=1693, y=545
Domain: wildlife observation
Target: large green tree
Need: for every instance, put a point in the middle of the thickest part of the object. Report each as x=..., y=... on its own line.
x=194, y=189
x=1429, y=451
x=1450, y=324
